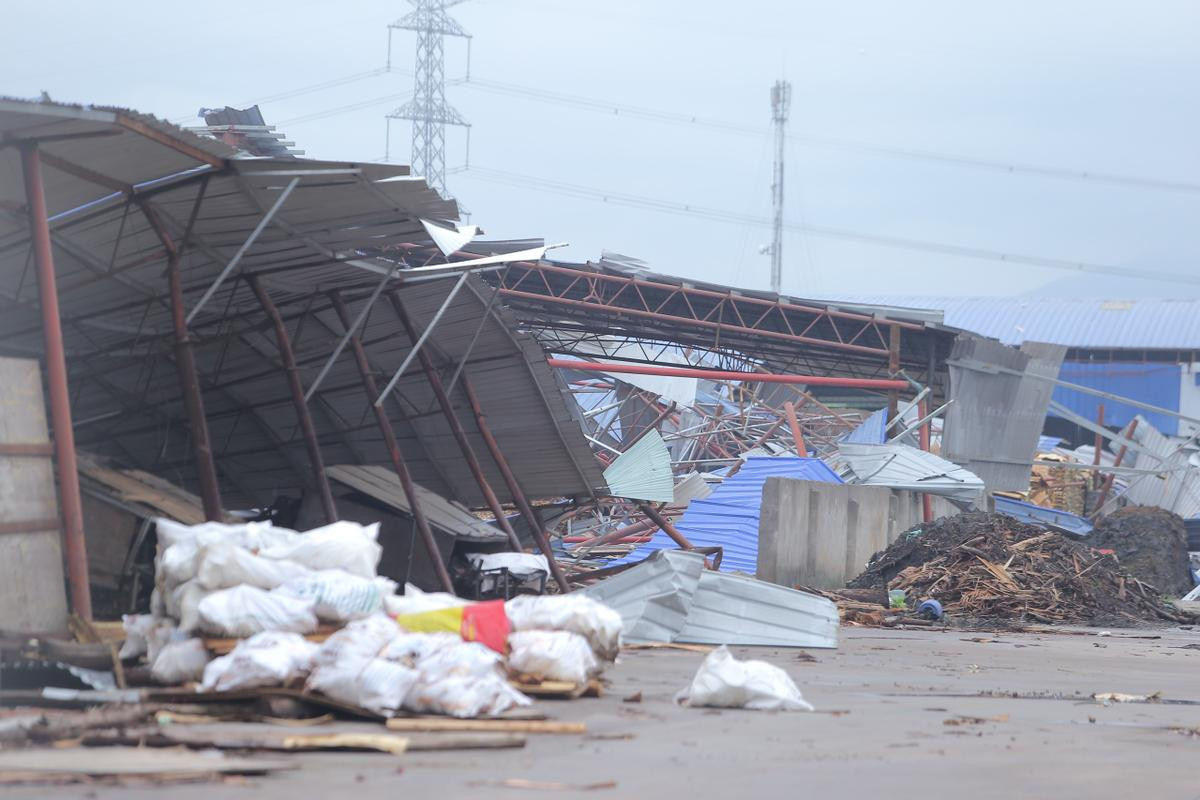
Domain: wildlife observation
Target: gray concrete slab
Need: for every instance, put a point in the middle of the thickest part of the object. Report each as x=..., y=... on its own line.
x=881, y=730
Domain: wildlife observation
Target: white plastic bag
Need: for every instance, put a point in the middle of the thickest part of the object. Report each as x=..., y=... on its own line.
x=462, y=659
x=553, y=655
x=724, y=682
x=265, y=659
x=360, y=640
x=184, y=605
x=411, y=649
x=339, y=596
x=137, y=628
x=594, y=621
x=223, y=565
x=179, y=662
x=339, y=545
x=246, y=610
x=414, y=601
x=162, y=634
x=464, y=696
x=375, y=684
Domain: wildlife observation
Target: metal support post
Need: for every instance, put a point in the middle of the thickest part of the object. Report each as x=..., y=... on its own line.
x=664, y=523
x=56, y=376
x=460, y=435
x=189, y=378
x=419, y=342
x=535, y=525
x=306, y=424
x=389, y=439
x=926, y=499
x=893, y=396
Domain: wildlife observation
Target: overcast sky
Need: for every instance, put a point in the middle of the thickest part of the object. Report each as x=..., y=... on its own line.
x=1096, y=87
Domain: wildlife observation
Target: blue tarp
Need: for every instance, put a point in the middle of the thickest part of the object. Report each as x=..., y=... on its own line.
x=1157, y=384
x=728, y=517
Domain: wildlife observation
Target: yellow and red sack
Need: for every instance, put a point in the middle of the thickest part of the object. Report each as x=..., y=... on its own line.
x=485, y=623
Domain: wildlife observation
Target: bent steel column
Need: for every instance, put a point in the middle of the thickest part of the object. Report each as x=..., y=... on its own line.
x=893, y=396
x=189, y=379
x=514, y=488
x=460, y=435
x=306, y=424
x=389, y=439
x=56, y=376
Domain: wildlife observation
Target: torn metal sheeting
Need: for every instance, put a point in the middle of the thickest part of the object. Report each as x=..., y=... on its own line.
x=996, y=420
x=382, y=484
x=643, y=472
x=671, y=597
x=899, y=466
x=450, y=238
x=1177, y=487
x=1053, y=518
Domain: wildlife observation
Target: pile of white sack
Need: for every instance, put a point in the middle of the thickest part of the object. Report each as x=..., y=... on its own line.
x=268, y=586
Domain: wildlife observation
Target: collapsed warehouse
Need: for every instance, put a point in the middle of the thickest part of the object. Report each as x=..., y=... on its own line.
x=240, y=345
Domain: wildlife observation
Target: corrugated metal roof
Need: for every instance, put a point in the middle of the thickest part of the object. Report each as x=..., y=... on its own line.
x=898, y=466
x=1148, y=324
x=1177, y=487
x=670, y=597
x=728, y=518
x=643, y=472
x=117, y=322
x=382, y=484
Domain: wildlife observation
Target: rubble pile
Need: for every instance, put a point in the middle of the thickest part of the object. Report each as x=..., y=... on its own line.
x=1149, y=542
x=988, y=566
x=308, y=610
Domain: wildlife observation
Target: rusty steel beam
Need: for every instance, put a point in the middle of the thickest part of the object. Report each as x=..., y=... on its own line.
x=789, y=409
x=926, y=498
x=309, y=431
x=460, y=435
x=893, y=397
x=721, y=375
x=189, y=378
x=389, y=439
x=69, y=497
x=514, y=488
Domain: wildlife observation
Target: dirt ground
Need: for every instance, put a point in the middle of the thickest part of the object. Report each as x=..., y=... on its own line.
x=900, y=714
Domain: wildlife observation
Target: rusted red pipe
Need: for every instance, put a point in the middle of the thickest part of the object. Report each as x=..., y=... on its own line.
x=514, y=488
x=723, y=375
x=794, y=424
x=56, y=376
x=1108, y=481
x=393, y=447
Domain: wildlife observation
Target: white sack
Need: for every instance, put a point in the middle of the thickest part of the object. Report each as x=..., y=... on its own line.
x=522, y=565
x=414, y=601
x=137, y=628
x=222, y=565
x=594, y=621
x=184, y=605
x=339, y=596
x=374, y=684
x=265, y=659
x=724, y=682
x=339, y=545
x=162, y=634
x=553, y=655
x=464, y=696
x=180, y=662
x=360, y=640
x=246, y=610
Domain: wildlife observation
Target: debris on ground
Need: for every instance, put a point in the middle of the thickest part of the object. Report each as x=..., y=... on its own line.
x=1149, y=542
x=990, y=567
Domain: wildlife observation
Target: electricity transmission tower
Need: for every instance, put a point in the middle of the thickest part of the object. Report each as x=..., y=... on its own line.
x=428, y=109
x=781, y=101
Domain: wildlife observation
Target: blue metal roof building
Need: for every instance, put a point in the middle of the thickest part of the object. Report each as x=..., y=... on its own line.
x=728, y=518
x=1142, y=349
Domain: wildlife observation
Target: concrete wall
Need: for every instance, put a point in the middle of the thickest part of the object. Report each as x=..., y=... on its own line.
x=823, y=534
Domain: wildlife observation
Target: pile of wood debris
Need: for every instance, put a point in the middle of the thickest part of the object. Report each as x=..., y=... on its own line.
x=989, y=566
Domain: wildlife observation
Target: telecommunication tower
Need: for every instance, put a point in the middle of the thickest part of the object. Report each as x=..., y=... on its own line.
x=781, y=101
x=428, y=110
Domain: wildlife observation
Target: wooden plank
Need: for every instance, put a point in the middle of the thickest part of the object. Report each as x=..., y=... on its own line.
x=427, y=725
x=32, y=584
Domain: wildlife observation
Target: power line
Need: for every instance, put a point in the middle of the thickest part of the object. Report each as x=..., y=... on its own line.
x=677, y=118
x=303, y=90
x=734, y=217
